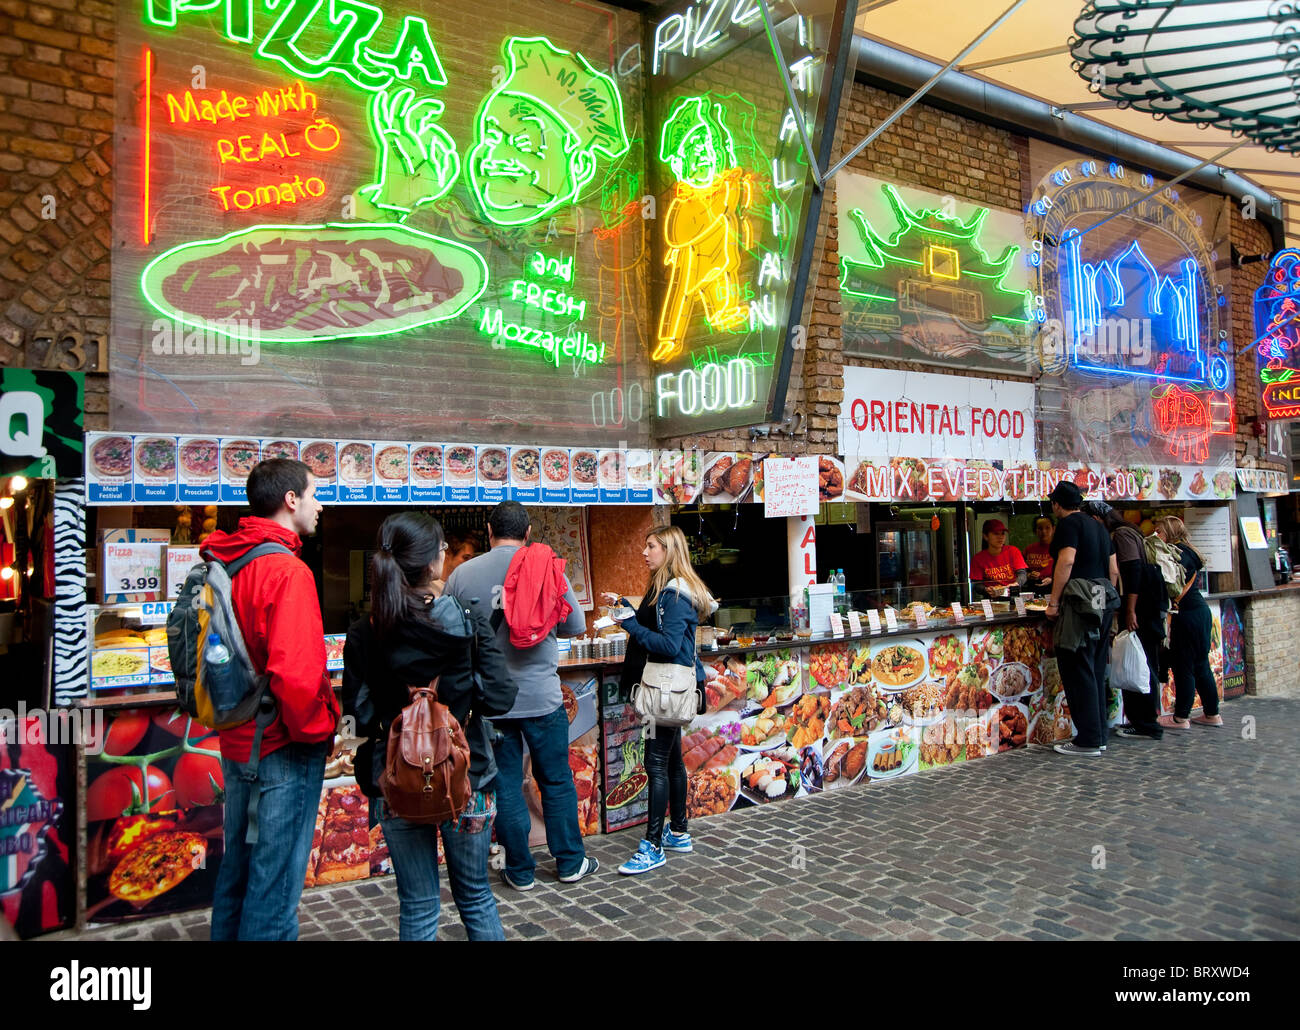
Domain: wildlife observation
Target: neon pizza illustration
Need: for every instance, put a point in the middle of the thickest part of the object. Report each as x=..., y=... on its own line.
x=305, y=283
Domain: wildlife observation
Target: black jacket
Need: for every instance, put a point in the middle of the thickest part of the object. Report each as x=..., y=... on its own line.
x=441, y=643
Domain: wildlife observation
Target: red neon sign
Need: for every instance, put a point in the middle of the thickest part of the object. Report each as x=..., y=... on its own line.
x=1188, y=419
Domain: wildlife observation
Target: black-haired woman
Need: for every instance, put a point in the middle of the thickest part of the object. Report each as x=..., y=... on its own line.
x=411, y=638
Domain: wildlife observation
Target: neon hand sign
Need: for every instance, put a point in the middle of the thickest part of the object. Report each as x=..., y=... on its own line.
x=705, y=225
x=540, y=134
x=1277, y=332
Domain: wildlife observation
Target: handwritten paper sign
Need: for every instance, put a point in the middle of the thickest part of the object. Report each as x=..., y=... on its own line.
x=918, y=613
x=957, y=614
x=837, y=625
x=790, y=487
x=855, y=622
x=873, y=620
x=1020, y=606
x=987, y=605
x=891, y=619
x=179, y=562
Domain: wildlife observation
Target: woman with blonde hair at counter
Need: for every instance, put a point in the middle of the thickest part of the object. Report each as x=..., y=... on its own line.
x=663, y=630
x=1189, y=639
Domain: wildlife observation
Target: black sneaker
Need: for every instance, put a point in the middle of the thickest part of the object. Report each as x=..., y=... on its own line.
x=589, y=866
x=1132, y=734
x=1074, y=750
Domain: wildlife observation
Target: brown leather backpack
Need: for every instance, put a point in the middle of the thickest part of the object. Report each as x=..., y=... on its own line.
x=426, y=775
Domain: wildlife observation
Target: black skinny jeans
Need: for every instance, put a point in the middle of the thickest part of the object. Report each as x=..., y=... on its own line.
x=1083, y=675
x=1141, y=710
x=667, y=773
x=1189, y=647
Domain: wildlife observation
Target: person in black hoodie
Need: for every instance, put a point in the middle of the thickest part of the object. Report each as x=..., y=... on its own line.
x=411, y=638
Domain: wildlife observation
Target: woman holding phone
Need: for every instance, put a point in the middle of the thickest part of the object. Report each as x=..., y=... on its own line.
x=662, y=629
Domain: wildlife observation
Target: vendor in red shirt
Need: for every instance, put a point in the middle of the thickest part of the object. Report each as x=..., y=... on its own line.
x=999, y=564
x=1039, y=556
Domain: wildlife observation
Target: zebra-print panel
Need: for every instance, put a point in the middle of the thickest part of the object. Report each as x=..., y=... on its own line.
x=71, y=647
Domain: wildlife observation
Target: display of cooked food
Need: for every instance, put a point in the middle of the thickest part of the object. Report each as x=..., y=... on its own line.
x=897, y=665
x=280, y=449
x=846, y=762
x=858, y=712
x=321, y=458
x=493, y=466
x=923, y=701
x=1009, y=727
x=199, y=458
x=426, y=463
x=155, y=457
x=830, y=478
x=705, y=749
x=555, y=466
x=947, y=653
x=525, y=465
x=238, y=457
x=807, y=720
x=391, y=464
x=111, y=456
x=711, y=792
x=356, y=461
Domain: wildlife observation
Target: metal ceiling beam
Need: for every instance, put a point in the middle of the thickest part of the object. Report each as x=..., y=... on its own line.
x=796, y=108
x=997, y=62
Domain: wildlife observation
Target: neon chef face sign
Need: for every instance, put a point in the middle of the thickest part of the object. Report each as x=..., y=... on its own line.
x=541, y=133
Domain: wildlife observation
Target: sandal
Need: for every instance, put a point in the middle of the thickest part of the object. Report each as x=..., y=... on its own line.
x=1208, y=720
x=1169, y=722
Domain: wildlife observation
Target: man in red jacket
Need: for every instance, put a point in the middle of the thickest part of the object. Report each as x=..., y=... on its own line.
x=276, y=605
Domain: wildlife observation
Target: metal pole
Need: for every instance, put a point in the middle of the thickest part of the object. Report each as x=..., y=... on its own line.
x=915, y=97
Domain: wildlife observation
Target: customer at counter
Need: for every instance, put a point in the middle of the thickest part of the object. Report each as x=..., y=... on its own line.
x=999, y=565
x=1038, y=556
x=1189, y=639
x=1082, y=604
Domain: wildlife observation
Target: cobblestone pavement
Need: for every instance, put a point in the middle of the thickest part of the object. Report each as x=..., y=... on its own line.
x=1198, y=833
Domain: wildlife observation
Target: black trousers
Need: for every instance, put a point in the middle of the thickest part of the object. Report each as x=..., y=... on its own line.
x=1083, y=675
x=1189, y=647
x=667, y=773
x=1142, y=710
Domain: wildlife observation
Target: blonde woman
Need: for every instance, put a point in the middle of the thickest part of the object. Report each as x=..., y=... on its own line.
x=1189, y=640
x=663, y=630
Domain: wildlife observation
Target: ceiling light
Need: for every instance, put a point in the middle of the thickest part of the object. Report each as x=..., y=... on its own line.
x=6, y=503
x=18, y=483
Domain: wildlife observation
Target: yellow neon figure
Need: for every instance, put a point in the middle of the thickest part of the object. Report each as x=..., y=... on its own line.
x=704, y=226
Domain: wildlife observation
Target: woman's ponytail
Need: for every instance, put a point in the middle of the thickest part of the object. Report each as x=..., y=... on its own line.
x=408, y=543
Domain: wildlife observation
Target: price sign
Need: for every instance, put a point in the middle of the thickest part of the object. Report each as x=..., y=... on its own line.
x=132, y=572
x=918, y=613
x=837, y=625
x=1020, y=606
x=873, y=620
x=790, y=487
x=179, y=562
x=957, y=614
x=891, y=619
x=987, y=605
x=855, y=622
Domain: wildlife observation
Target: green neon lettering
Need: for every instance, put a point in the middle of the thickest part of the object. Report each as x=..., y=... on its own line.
x=578, y=345
x=358, y=22
x=540, y=134
x=238, y=18
x=414, y=50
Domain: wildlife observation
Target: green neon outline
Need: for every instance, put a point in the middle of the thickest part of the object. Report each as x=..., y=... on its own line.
x=688, y=116
x=405, y=125
x=349, y=67
x=389, y=61
x=878, y=250
x=581, y=161
x=429, y=242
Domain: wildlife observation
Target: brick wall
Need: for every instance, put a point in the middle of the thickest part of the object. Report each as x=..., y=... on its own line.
x=1268, y=624
x=56, y=132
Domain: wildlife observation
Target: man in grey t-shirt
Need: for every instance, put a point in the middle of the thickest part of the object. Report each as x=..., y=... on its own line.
x=538, y=718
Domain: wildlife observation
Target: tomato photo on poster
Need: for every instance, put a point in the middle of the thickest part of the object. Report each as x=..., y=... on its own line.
x=154, y=794
x=38, y=833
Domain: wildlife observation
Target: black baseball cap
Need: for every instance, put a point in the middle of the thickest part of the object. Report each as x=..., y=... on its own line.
x=1067, y=495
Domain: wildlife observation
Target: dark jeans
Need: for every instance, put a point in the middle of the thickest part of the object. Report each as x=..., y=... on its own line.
x=1083, y=675
x=667, y=773
x=1189, y=646
x=547, y=737
x=1142, y=710
x=414, y=850
x=257, y=891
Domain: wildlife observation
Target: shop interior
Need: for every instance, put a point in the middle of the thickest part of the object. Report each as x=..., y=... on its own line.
x=26, y=584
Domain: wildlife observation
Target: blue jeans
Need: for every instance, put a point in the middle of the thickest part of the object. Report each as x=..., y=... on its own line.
x=547, y=737
x=270, y=874
x=413, y=848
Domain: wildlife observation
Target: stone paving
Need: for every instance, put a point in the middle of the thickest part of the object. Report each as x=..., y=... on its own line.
x=1190, y=838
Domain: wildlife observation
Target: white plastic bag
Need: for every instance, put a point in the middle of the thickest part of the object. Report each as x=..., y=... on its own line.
x=1128, y=664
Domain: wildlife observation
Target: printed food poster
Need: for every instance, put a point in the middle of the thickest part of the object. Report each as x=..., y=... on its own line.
x=153, y=816
x=197, y=470
x=356, y=472
x=460, y=467
x=581, y=705
x=110, y=465
x=493, y=474
x=526, y=474
x=238, y=456
x=155, y=469
x=626, y=796
x=38, y=830
x=392, y=473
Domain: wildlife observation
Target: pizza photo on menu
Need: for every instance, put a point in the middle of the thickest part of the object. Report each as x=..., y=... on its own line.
x=199, y=458
x=555, y=466
x=238, y=458
x=155, y=457
x=321, y=458
x=426, y=463
x=391, y=464
x=111, y=456
x=461, y=463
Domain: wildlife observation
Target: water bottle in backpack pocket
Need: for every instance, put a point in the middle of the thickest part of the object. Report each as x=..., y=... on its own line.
x=220, y=675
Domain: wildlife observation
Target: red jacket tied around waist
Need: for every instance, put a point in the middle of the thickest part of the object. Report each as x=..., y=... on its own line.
x=275, y=603
x=533, y=595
